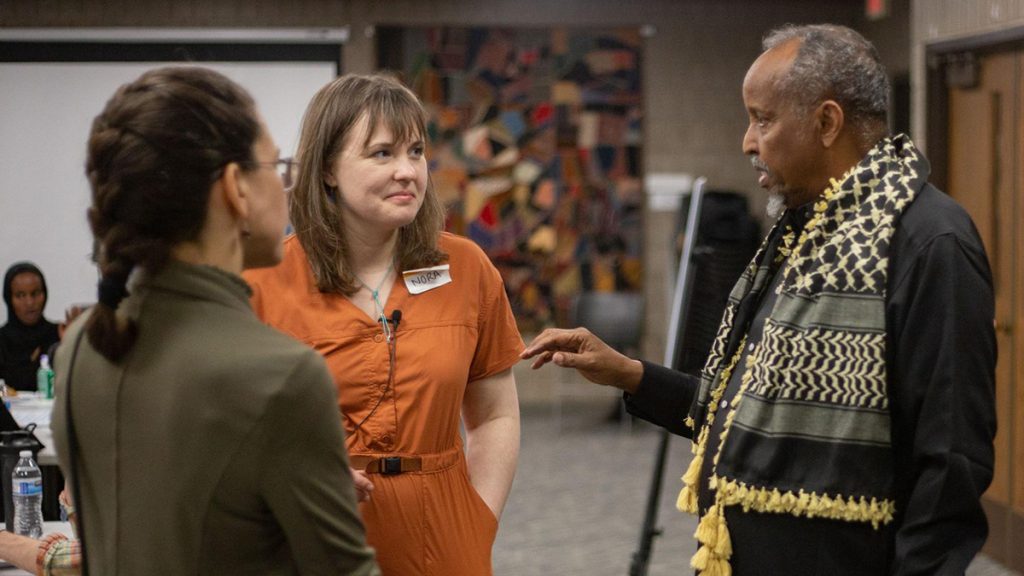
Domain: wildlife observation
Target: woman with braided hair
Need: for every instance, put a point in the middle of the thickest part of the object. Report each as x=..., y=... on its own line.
x=197, y=439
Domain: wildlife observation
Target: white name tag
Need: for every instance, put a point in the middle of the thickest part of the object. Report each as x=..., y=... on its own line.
x=422, y=279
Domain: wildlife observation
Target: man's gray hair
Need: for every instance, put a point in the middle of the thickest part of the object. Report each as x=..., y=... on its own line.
x=835, y=62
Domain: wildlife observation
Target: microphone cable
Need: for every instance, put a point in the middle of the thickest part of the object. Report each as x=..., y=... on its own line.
x=391, y=336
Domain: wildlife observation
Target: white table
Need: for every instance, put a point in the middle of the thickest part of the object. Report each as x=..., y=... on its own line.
x=29, y=407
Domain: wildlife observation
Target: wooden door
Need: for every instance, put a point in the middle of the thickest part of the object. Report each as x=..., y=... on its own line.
x=986, y=176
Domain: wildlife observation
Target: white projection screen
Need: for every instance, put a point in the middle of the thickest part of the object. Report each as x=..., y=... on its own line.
x=46, y=109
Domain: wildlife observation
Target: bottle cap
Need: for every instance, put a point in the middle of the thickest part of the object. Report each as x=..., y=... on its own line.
x=25, y=454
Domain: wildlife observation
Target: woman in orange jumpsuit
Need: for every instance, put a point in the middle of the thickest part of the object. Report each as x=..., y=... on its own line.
x=414, y=325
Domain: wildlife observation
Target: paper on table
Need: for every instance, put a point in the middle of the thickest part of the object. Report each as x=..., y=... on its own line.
x=27, y=408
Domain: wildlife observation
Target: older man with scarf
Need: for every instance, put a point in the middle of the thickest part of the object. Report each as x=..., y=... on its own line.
x=844, y=421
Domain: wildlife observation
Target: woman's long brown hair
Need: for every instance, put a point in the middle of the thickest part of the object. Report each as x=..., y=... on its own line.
x=315, y=213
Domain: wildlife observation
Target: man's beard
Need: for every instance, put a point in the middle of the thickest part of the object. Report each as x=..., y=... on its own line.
x=776, y=201
x=776, y=205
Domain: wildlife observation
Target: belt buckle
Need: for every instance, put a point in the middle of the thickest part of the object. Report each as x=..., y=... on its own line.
x=391, y=465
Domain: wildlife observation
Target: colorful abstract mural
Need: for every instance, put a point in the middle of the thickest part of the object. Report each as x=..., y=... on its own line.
x=535, y=148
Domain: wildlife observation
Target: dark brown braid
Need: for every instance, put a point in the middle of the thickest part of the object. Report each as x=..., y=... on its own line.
x=154, y=153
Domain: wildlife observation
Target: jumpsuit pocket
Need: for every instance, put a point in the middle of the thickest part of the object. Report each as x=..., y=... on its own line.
x=485, y=510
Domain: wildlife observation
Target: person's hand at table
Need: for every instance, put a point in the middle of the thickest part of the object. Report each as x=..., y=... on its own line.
x=589, y=355
x=72, y=312
x=67, y=507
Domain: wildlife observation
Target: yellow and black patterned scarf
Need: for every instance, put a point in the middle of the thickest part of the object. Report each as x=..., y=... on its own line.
x=809, y=432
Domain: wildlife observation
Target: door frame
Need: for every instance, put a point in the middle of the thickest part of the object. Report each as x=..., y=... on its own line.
x=938, y=56
x=1006, y=535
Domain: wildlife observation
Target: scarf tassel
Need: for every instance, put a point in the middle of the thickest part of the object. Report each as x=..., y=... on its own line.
x=712, y=557
x=687, y=500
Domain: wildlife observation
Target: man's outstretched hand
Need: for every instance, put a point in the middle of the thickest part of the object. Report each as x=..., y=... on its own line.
x=589, y=355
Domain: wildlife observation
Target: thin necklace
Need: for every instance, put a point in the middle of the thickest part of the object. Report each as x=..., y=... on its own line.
x=375, y=292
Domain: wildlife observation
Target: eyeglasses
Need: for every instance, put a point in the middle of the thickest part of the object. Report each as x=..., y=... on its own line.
x=285, y=168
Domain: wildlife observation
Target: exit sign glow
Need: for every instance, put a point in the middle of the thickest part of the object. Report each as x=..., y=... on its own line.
x=876, y=9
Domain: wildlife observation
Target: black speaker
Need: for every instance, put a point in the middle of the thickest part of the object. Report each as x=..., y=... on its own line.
x=12, y=442
x=727, y=238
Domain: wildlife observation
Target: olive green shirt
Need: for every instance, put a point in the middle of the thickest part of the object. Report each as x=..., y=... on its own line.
x=214, y=447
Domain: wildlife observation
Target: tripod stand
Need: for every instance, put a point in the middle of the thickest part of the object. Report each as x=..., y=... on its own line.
x=720, y=239
x=650, y=530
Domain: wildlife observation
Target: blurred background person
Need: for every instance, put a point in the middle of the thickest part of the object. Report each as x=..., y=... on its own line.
x=414, y=324
x=27, y=334
x=196, y=439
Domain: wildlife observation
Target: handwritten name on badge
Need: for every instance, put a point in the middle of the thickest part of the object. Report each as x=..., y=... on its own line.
x=422, y=279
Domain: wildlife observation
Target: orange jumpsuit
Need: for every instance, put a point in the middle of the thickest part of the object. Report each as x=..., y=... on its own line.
x=430, y=521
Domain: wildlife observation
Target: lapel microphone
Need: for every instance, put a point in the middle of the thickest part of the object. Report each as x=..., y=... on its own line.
x=385, y=323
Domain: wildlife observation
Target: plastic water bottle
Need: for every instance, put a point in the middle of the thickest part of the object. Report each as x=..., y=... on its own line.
x=27, y=493
x=44, y=377
x=3, y=394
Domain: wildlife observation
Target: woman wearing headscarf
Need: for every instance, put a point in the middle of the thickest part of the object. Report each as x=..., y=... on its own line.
x=27, y=334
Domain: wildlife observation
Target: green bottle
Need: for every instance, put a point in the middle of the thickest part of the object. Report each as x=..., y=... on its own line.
x=44, y=378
